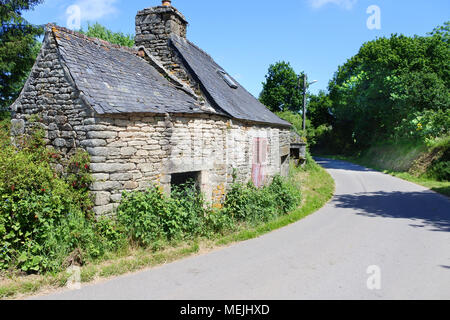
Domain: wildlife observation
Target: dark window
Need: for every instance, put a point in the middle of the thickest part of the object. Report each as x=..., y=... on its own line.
x=295, y=153
x=179, y=179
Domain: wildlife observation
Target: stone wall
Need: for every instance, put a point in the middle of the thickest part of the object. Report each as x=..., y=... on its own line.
x=135, y=151
x=50, y=93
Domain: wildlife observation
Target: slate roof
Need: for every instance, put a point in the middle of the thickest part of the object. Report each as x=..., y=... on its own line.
x=237, y=102
x=114, y=79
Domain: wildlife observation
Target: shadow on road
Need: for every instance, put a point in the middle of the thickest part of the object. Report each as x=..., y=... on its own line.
x=337, y=164
x=428, y=208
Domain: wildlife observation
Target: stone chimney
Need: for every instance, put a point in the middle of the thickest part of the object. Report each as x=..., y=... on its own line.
x=154, y=27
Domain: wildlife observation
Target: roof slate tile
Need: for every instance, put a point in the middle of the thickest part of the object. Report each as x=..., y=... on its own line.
x=115, y=80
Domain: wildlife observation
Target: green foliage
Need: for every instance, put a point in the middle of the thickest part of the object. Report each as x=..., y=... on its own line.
x=18, y=48
x=245, y=203
x=424, y=126
x=440, y=167
x=150, y=217
x=281, y=90
x=390, y=86
x=42, y=214
x=141, y=215
x=319, y=109
x=189, y=205
x=313, y=134
x=293, y=118
x=98, y=31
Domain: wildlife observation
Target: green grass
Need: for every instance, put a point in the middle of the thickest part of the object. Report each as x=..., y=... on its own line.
x=317, y=188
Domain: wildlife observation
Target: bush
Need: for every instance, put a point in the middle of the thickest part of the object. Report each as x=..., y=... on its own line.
x=43, y=215
x=425, y=125
x=190, y=206
x=247, y=203
x=150, y=217
x=141, y=215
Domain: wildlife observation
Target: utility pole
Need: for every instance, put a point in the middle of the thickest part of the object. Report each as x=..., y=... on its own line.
x=305, y=87
x=305, y=83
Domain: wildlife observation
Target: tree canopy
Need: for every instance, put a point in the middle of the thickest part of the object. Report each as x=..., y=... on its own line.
x=18, y=48
x=281, y=89
x=391, y=85
x=98, y=31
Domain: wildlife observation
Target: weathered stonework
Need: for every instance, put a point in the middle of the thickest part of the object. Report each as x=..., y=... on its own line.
x=140, y=150
x=131, y=150
x=50, y=94
x=154, y=27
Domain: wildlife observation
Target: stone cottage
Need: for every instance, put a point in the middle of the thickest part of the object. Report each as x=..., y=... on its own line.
x=162, y=112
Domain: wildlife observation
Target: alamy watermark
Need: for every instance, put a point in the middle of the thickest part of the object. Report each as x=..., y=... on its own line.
x=374, y=280
x=374, y=20
x=73, y=21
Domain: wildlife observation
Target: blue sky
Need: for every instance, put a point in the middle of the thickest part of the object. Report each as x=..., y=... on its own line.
x=246, y=36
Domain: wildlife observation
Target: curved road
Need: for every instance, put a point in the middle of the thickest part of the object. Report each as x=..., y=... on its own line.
x=373, y=220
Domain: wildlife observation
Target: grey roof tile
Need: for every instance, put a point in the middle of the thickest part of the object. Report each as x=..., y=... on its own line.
x=115, y=80
x=238, y=103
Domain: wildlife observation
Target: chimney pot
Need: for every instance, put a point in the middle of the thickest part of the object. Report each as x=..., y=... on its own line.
x=167, y=3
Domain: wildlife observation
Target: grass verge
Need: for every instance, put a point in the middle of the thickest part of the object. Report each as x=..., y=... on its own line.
x=317, y=188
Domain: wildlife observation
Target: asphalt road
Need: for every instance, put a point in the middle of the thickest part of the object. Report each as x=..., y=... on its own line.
x=400, y=228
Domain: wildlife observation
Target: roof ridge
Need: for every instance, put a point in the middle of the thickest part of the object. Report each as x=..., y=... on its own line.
x=50, y=27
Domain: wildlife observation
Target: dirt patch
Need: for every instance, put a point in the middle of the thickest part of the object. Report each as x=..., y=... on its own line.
x=424, y=162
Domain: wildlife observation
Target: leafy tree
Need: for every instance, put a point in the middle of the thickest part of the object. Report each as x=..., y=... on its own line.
x=293, y=118
x=442, y=31
x=386, y=82
x=98, y=31
x=281, y=89
x=319, y=109
x=18, y=48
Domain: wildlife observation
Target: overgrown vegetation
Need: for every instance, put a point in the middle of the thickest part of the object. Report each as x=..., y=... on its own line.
x=44, y=214
x=316, y=187
x=96, y=30
x=394, y=89
x=46, y=224
x=150, y=218
x=390, y=104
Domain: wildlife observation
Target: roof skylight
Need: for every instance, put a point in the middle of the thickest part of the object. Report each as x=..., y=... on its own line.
x=227, y=79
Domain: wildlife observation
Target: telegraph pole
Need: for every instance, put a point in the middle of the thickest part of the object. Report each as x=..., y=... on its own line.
x=305, y=82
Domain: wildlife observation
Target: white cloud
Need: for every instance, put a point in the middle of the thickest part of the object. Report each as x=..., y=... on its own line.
x=347, y=4
x=92, y=10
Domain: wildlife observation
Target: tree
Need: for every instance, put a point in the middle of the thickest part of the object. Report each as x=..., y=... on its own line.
x=18, y=48
x=388, y=81
x=281, y=89
x=98, y=31
x=319, y=109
